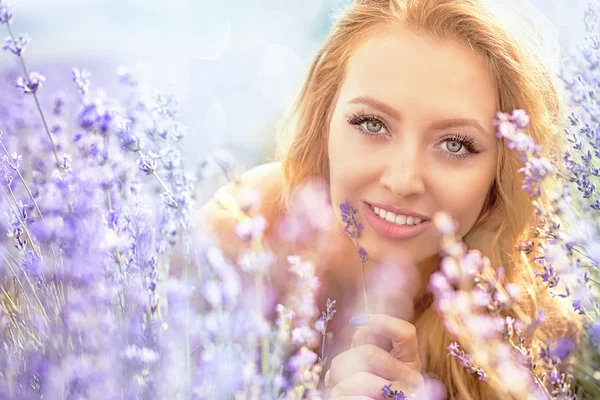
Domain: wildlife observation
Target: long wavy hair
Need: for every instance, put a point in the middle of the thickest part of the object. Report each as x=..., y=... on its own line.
x=526, y=80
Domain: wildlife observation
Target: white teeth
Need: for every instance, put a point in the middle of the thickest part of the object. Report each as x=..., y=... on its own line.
x=397, y=219
x=401, y=219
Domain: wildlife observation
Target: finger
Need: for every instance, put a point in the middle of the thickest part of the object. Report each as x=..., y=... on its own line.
x=403, y=335
x=363, y=384
x=374, y=360
x=364, y=336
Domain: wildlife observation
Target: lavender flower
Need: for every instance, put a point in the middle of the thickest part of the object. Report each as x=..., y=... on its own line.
x=363, y=255
x=353, y=228
x=321, y=326
x=388, y=393
x=536, y=168
x=5, y=13
x=148, y=163
x=31, y=84
x=81, y=79
x=16, y=46
x=471, y=297
x=465, y=360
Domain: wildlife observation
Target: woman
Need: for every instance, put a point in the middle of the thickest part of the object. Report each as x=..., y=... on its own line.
x=396, y=116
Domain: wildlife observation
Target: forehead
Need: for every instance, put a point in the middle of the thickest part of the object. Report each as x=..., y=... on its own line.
x=420, y=74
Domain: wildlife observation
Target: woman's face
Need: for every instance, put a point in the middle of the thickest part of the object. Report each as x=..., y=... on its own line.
x=412, y=129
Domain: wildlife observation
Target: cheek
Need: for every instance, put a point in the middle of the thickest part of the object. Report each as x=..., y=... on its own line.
x=465, y=201
x=344, y=157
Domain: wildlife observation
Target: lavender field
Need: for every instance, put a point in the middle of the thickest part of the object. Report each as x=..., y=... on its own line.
x=111, y=286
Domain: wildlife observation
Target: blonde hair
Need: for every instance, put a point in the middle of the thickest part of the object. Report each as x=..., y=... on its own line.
x=525, y=79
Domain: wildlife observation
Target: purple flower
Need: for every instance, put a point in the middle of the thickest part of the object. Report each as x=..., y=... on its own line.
x=33, y=84
x=5, y=13
x=465, y=360
x=13, y=160
x=520, y=118
x=578, y=307
x=388, y=393
x=563, y=349
x=81, y=79
x=16, y=47
x=169, y=200
x=352, y=226
x=129, y=139
x=363, y=255
x=147, y=163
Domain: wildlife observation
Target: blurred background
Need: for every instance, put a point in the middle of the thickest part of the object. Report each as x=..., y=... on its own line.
x=232, y=64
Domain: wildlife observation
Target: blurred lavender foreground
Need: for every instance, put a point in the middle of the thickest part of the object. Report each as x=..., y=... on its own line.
x=98, y=205
x=97, y=202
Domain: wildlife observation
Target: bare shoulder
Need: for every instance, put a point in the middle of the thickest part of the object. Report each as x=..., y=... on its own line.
x=266, y=180
x=218, y=216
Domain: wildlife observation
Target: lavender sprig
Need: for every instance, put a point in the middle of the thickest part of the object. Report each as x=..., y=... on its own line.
x=465, y=360
x=32, y=82
x=321, y=326
x=353, y=228
x=388, y=393
x=471, y=297
x=5, y=13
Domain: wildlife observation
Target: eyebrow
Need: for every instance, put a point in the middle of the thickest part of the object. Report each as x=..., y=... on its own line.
x=444, y=124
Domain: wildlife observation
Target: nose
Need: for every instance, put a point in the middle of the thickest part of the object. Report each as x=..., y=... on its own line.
x=403, y=173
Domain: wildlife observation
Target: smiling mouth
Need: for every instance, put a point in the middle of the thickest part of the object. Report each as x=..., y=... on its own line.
x=393, y=218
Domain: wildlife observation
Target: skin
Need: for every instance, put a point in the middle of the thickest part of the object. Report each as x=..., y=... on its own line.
x=407, y=164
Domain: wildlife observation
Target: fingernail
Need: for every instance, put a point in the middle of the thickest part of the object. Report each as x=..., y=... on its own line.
x=360, y=320
x=327, y=379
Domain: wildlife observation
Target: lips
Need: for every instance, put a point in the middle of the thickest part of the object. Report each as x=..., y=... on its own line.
x=393, y=230
x=399, y=211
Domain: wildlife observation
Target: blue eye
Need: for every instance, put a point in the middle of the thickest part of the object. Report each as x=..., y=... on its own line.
x=466, y=142
x=373, y=126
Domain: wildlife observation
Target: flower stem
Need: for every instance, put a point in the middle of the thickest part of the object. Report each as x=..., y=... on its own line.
x=188, y=353
x=323, y=343
x=37, y=103
x=533, y=373
x=364, y=280
x=22, y=222
x=164, y=186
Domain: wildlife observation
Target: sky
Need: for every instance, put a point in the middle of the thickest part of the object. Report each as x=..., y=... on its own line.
x=233, y=64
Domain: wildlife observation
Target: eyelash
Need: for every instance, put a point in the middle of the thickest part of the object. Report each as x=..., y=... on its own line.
x=468, y=142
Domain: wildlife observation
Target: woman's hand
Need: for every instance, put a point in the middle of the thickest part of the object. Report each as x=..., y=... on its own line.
x=365, y=368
